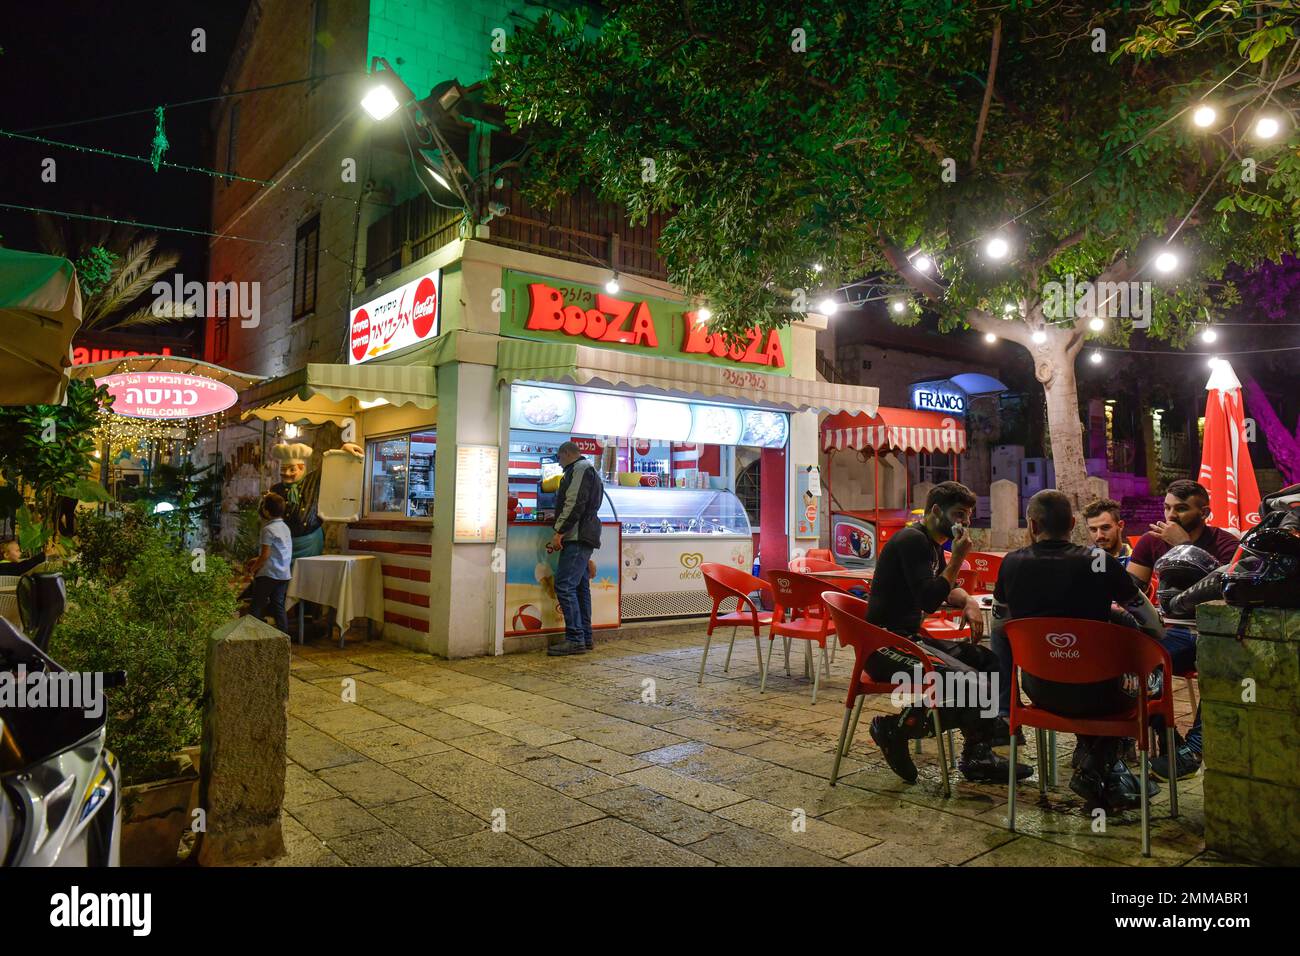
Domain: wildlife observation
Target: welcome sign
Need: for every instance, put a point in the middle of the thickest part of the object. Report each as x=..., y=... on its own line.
x=549, y=309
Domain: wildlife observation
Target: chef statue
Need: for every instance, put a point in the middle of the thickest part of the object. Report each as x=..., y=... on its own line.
x=300, y=490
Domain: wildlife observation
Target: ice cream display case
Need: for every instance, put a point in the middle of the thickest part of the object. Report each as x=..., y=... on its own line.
x=667, y=533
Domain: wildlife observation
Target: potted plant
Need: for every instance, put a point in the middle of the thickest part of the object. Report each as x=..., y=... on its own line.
x=139, y=601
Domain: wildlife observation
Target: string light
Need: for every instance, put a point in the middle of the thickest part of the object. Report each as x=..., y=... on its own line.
x=922, y=263
x=827, y=306
x=997, y=248
x=1209, y=336
x=1266, y=127
x=990, y=338
x=898, y=307
x=612, y=286
x=1095, y=357
x=1039, y=337
x=1096, y=323
x=1166, y=262
x=1205, y=115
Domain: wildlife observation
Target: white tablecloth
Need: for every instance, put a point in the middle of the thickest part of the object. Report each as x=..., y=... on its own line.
x=351, y=583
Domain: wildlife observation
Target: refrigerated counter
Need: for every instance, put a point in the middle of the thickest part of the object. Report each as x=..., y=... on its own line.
x=666, y=534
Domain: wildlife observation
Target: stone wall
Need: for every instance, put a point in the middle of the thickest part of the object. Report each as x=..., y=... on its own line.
x=1251, y=710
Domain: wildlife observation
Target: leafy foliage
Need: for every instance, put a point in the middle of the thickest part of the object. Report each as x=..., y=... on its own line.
x=48, y=449
x=151, y=617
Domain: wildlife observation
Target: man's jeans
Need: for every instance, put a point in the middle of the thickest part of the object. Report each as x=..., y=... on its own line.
x=573, y=592
x=1180, y=642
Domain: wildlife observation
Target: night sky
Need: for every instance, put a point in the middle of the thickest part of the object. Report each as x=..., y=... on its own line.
x=67, y=61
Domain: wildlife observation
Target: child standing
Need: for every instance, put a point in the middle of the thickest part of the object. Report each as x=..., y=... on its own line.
x=271, y=568
x=11, y=558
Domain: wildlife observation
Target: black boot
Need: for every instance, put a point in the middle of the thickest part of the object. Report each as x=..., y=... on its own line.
x=979, y=764
x=891, y=736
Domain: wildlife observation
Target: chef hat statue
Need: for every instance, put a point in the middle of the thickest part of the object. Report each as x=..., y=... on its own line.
x=293, y=459
x=300, y=490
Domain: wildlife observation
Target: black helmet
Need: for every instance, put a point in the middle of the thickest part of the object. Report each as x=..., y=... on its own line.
x=1183, y=565
x=1267, y=568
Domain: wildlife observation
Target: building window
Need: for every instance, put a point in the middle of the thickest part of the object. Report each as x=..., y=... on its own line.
x=305, y=258
x=934, y=467
x=221, y=337
x=400, y=475
x=232, y=141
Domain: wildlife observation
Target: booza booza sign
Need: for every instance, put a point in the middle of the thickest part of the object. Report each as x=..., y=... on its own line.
x=401, y=317
x=538, y=307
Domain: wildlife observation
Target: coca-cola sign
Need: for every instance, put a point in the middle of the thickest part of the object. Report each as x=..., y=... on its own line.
x=397, y=319
x=167, y=395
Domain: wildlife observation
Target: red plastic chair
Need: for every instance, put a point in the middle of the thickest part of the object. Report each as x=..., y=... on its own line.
x=821, y=554
x=1074, y=651
x=985, y=567
x=801, y=595
x=849, y=614
x=808, y=563
x=724, y=583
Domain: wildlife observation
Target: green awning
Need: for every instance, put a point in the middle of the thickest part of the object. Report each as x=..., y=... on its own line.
x=320, y=392
x=519, y=360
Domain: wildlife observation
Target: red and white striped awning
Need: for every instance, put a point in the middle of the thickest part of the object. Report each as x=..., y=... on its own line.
x=894, y=429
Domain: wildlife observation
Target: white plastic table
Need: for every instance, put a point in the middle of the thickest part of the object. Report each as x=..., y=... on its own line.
x=352, y=584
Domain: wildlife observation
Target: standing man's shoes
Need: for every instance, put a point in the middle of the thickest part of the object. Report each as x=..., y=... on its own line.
x=979, y=764
x=565, y=648
x=589, y=644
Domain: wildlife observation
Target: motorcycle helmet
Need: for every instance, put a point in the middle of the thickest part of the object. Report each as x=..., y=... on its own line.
x=1183, y=565
x=1266, y=571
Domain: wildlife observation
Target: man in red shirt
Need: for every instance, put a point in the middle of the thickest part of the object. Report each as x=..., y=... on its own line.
x=1187, y=509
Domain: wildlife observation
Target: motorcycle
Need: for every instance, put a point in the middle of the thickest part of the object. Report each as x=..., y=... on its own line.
x=60, y=788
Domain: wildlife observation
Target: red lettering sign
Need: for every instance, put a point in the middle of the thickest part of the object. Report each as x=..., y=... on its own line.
x=588, y=446
x=743, y=347
x=85, y=355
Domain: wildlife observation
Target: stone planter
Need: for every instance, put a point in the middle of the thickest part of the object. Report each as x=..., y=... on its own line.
x=1250, y=693
x=156, y=815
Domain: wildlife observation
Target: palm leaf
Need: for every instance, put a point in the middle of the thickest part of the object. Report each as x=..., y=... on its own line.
x=136, y=275
x=172, y=312
x=50, y=236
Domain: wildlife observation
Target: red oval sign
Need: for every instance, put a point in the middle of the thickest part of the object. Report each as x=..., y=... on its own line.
x=167, y=395
x=425, y=308
x=360, y=334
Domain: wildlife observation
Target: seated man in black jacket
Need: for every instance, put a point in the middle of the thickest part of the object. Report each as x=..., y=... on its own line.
x=1054, y=577
x=913, y=577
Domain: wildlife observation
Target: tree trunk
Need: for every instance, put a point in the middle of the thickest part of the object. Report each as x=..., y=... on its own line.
x=1055, y=370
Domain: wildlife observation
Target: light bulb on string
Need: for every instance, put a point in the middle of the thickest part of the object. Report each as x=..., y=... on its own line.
x=990, y=338
x=1209, y=336
x=997, y=248
x=898, y=307
x=828, y=306
x=612, y=286
x=1096, y=324
x=1205, y=115
x=1266, y=127
x=922, y=263
x=1095, y=357
x=1039, y=337
x=1166, y=261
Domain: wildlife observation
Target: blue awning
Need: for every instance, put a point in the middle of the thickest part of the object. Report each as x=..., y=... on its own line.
x=973, y=383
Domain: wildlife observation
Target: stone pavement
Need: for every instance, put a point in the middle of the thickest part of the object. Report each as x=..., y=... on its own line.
x=617, y=757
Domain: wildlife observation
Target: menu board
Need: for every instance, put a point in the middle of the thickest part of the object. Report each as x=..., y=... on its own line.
x=476, y=494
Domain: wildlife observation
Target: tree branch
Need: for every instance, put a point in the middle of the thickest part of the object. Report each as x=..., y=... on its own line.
x=988, y=92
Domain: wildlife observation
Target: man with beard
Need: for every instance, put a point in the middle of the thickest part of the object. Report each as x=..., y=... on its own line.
x=1187, y=509
x=1106, y=529
x=913, y=577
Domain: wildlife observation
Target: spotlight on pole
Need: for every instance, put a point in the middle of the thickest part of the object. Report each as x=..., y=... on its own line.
x=827, y=306
x=1096, y=323
x=1209, y=336
x=1039, y=337
x=1205, y=115
x=997, y=248
x=1095, y=357
x=380, y=102
x=1167, y=261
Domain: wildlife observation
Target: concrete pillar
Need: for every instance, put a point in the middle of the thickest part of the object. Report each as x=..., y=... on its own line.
x=463, y=613
x=245, y=722
x=1004, y=509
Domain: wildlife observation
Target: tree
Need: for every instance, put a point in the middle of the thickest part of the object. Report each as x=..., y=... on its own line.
x=785, y=139
x=116, y=267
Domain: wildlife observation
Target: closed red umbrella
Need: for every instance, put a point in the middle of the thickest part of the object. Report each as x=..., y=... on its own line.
x=1226, y=469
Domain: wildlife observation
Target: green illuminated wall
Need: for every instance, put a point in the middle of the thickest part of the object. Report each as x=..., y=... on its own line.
x=428, y=41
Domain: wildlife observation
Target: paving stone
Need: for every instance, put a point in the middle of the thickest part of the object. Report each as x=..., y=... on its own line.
x=599, y=758
x=302, y=787
x=535, y=735
x=386, y=744
x=371, y=784
x=694, y=793
x=335, y=817
x=315, y=751
x=822, y=838
x=347, y=720
x=624, y=736
x=489, y=849
x=477, y=714
x=429, y=820
x=660, y=815
x=377, y=848
x=441, y=726
x=498, y=748
x=613, y=843
x=936, y=834
x=572, y=779
x=703, y=762
x=743, y=847
x=707, y=732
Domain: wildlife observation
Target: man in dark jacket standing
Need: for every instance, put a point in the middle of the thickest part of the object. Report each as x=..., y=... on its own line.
x=577, y=535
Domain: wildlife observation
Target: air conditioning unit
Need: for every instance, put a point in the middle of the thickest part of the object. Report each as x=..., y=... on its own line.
x=1035, y=475
x=1006, y=460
